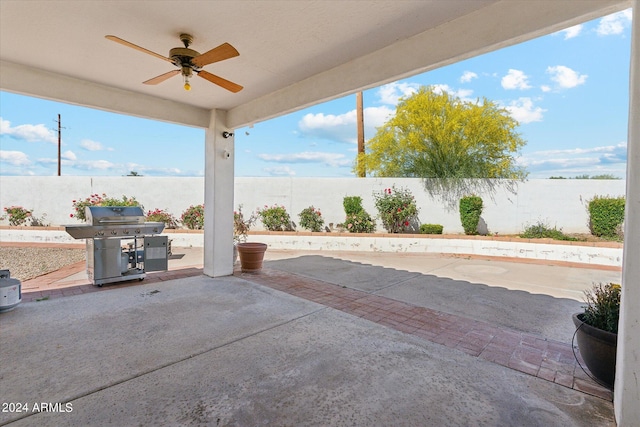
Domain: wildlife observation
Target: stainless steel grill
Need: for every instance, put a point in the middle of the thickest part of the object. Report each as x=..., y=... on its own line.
x=120, y=244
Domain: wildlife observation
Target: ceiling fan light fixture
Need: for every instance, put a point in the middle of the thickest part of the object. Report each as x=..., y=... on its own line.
x=187, y=72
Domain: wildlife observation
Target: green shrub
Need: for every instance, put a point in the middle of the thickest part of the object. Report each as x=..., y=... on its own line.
x=470, y=211
x=160, y=215
x=357, y=219
x=98, y=200
x=242, y=225
x=193, y=217
x=606, y=215
x=603, y=307
x=124, y=201
x=17, y=215
x=431, y=229
x=311, y=219
x=360, y=222
x=352, y=204
x=396, y=209
x=542, y=231
x=275, y=218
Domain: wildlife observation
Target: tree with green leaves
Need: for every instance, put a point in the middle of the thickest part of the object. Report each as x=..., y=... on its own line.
x=446, y=141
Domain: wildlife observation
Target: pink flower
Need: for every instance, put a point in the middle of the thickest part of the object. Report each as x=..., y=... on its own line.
x=71, y=215
x=406, y=223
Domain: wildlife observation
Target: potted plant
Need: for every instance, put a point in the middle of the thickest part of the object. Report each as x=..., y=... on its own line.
x=251, y=253
x=597, y=331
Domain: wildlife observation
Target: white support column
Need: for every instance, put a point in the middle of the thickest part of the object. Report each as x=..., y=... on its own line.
x=218, y=198
x=627, y=386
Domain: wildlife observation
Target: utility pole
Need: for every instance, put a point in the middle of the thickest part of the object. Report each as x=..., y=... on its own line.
x=360, y=119
x=59, y=143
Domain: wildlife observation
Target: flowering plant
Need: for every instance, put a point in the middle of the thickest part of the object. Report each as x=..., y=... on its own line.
x=275, y=218
x=360, y=222
x=98, y=200
x=79, y=205
x=193, y=217
x=17, y=215
x=241, y=225
x=160, y=215
x=358, y=219
x=603, y=306
x=311, y=219
x=397, y=209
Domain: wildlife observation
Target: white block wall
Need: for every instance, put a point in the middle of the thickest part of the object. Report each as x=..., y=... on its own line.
x=560, y=203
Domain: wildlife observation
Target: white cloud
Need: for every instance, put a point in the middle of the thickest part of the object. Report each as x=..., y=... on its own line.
x=389, y=94
x=68, y=155
x=340, y=127
x=149, y=171
x=545, y=88
x=609, y=159
x=515, y=79
x=16, y=158
x=30, y=133
x=463, y=94
x=375, y=117
x=280, y=171
x=572, y=32
x=614, y=24
x=343, y=127
x=90, y=145
x=467, y=76
x=565, y=77
x=524, y=111
x=94, y=164
x=329, y=159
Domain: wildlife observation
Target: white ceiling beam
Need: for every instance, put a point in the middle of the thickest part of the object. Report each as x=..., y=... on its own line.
x=43, y=84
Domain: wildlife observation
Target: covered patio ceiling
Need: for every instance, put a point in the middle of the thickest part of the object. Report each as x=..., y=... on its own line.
x=293, y=54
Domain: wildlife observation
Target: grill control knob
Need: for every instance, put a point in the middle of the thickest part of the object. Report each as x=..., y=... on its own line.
x=114, y=232
x=137, y=231
x=100, y=233
x=125, y=231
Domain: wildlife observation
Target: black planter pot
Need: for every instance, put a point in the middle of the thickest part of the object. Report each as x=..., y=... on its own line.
x=598, y=349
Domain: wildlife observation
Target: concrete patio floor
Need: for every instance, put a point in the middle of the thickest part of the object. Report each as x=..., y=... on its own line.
x=324, y=339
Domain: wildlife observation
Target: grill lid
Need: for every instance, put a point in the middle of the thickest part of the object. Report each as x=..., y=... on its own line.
x=114, y=215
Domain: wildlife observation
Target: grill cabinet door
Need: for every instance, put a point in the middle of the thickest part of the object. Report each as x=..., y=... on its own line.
x=155, y=253
x=106, y=259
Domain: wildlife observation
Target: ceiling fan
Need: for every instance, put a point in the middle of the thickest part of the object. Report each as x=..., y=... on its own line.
x=189, y=61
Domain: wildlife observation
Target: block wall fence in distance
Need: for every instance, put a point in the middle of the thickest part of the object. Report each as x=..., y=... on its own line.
x=559, y=203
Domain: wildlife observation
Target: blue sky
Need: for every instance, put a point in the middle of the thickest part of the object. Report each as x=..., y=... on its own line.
x=568, y=90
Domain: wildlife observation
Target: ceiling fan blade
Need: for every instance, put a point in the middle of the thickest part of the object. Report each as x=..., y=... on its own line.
x=136, y=47
x=161, y=77
x=220, y=53
x=230, y=86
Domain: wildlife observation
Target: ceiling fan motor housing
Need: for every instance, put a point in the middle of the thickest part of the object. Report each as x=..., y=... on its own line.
x=182, y=56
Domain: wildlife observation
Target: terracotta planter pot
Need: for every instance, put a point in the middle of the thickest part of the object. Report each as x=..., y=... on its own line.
x=251, y=255
x=598, y=349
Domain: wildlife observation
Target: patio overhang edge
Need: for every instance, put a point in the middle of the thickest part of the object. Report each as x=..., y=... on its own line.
x=38, y=83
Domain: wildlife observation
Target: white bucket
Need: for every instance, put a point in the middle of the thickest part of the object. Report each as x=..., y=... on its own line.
x=10, y=294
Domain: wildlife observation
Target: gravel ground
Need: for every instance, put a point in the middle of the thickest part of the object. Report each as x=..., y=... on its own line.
x=26, y=263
